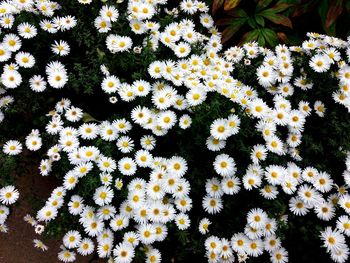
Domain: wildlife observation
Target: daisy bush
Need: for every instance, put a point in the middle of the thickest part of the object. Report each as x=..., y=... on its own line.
x=165, y=144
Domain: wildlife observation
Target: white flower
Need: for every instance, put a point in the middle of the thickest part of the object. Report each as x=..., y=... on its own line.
x=12, y=147
x=11, y=79
x=224, y=165
x=27, y=30
x=66, y=256
x=182, y=221
x=110, y=84
x=320, y=63
x=72, y=239
x=73, y=114
x=109, y=13
x=39, y=244
x=8, y=195
x=60, y=48
x=103, y=195
x=57, y=75
x=25, y=59
x=117, y=43
x=333, y=240
x=185, y=121
x=127, y=166
x=86, y=247
x=123, y=253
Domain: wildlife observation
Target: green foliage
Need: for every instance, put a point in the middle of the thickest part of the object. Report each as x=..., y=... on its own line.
x=270, y=22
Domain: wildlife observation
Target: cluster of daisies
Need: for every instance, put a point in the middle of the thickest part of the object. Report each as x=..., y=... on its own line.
x=177, y=36
x=259, y=235
x=334, y=239
x=142, y=218
x=207, y=72
x=15, y=36
x=8, y=196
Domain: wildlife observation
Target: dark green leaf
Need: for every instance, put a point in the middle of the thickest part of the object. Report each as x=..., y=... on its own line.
x=250, y=36
x=260, y=20
x=262, y=4
x=251, y=22
x=270, y=36
x=277, y=18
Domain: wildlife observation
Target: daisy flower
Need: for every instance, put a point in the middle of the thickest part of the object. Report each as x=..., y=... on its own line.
x=182, y=221
x=333, y=240
x=127, y=166
x=320, y=63
x=12, y=147
x=8, y=195
x=256, y=218
x=26, y=30
x=72, y=239
x=224, y=165
x=39, y=244
x=123, y=253
x=66, y=256
x=204, y=226
x=86, y=247
x=212, y=205
x=37, y=83
x=25, y=59
x=60, y=48
x=103, y=195
x=319, y=108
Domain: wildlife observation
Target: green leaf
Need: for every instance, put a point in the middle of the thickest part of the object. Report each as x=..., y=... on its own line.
x=261, y=39
x=270, y=36
x=322, y=10
x=260, y=20
x=250, y=36
x=88, y=118
x=237, y=12
x=262, y=4
x=251, y=22
x=333, y=13
x=277, y=18
x=100, y=54
x=280, y=7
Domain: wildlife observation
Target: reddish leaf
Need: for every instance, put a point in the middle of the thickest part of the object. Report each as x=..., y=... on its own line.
x=216, y=5
x=283, y=37
x=280, y=7
x=229, y=32
x=262, y=4
x=304, y=7
x=277, y=19
x=230, y=4
x=249, y=36
x=333, y=12
x=224, y=21
x=237, y=12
